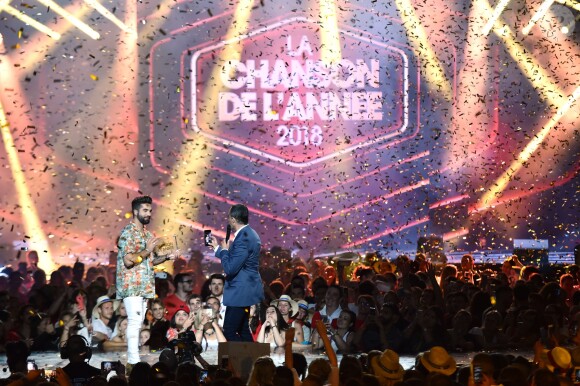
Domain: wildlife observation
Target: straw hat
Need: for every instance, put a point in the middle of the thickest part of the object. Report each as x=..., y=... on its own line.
x=438, y=360
x=286, y=298
x=387, y=366
x=557, y=358
x=102, y=300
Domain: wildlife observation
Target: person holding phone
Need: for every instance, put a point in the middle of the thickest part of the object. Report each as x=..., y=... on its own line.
x=240, y=259
x=210, y=333
x=482, y=370
x=135, y=275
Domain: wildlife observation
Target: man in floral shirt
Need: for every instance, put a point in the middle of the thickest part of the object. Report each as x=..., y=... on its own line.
x=135, y=274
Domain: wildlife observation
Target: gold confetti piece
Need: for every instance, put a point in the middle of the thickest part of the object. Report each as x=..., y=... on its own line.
x=94, y=77
x=20, y=33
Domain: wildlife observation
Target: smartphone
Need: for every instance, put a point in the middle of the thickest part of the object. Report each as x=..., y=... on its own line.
x=202, y=376
x=49, y=374
x=576, y=374
x=207, y=237
x=225, y=362
x=107, y=366
x=161, y=275
x=80, y=302
x=31, y=365
x=477, y=374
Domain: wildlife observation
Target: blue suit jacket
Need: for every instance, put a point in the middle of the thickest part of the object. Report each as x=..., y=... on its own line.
x=241, y=262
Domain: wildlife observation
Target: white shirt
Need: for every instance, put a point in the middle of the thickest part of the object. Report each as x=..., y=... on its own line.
x=222, y=311
x=100, y=326
x=232, y=240
x=332, y=316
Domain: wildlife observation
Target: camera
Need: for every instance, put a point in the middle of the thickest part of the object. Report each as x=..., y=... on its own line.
x=187, y=347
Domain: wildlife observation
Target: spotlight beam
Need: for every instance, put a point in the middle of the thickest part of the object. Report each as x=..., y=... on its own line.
x=570, y=3
x=331, y=52
x=491, y=196
x=70, y=17
x=111, y=17
x=32, y=225
x=544, y=7
x=43, y=44
x=433, y=70
x=494, y=16
x=535, y=73
x=186, y=175
x=4, y=6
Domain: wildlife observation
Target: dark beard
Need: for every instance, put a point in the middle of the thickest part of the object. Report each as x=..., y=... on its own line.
x=144, y=220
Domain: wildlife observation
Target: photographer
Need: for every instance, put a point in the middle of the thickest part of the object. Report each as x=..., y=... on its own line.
x=181, y=337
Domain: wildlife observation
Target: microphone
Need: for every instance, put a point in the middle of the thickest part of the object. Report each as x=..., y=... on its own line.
x=228, y=231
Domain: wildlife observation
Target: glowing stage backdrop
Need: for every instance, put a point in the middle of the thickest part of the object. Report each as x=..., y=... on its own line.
x=342, y=125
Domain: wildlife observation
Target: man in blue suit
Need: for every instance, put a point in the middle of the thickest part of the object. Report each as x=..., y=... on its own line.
x=240, y=262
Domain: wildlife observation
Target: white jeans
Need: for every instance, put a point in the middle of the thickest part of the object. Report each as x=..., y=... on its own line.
x=136, y=307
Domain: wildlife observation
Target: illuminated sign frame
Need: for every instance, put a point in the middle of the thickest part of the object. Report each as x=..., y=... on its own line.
x=229, y=143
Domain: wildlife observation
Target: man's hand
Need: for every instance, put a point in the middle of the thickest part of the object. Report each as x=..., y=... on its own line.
x=212, y=241
x=174, y=254
x=152, y=243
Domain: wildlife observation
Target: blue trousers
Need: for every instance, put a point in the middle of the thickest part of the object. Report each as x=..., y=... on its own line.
x=236, y=327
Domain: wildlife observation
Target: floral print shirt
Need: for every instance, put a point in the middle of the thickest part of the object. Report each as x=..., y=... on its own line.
x=138, y=280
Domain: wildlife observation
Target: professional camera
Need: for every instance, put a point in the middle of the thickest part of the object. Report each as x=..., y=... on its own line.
x=187, y=347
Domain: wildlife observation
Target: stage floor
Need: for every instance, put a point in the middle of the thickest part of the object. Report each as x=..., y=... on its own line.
x=51, y=360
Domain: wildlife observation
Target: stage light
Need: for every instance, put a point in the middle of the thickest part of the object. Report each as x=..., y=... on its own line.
x=565, y=20
x=494, y=16
x=544, y=7
x=71, y=18
x=31, y=222
x=329, y=33
x=499, y=186
x=433, y=70
x=110, y=16
x=4, y=6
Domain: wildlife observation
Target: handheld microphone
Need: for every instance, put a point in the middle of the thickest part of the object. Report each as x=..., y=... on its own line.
x=228, y=231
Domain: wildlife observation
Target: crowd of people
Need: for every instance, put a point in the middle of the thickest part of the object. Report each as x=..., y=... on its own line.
x=370, y=310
